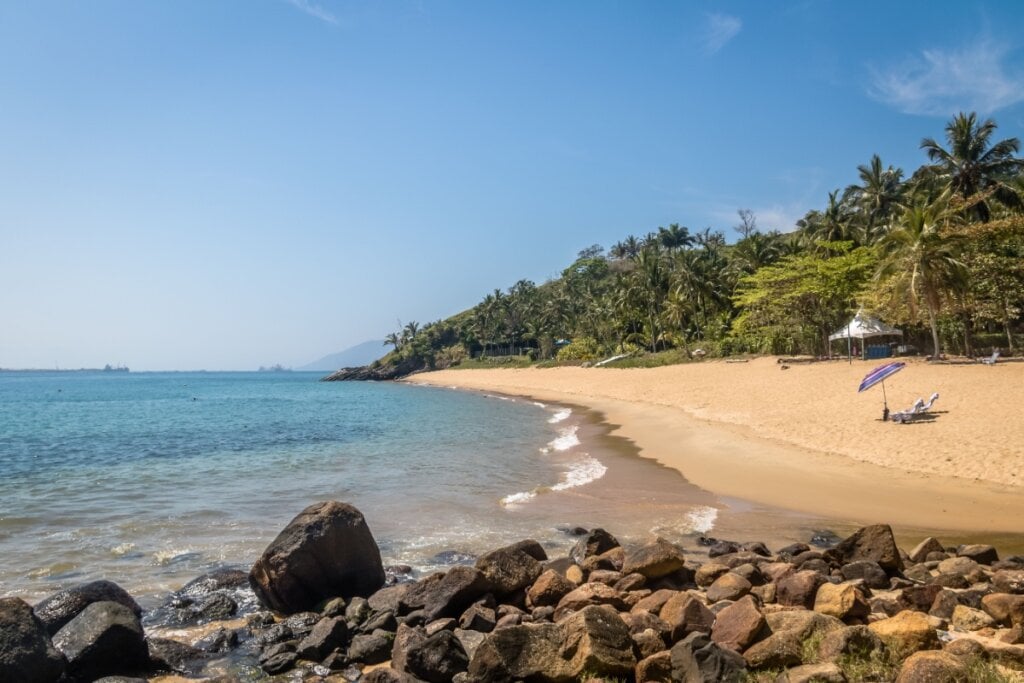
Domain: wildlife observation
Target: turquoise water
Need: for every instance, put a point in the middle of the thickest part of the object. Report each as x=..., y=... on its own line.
x=150, y=479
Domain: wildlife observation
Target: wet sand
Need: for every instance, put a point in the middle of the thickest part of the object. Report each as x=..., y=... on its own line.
x=804, y=440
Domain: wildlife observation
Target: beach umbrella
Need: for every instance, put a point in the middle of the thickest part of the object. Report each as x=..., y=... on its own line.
x=878, y=376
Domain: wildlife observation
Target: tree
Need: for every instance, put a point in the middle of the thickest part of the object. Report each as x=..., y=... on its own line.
x=973, y=164
x=748, y=223
x=876, y=197
x=674, y=237
x=921, y=259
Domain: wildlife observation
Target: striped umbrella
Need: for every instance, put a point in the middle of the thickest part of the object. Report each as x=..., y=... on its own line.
x=878, y=376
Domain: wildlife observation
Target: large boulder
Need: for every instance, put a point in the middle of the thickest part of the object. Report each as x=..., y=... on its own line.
x=685, y=614
x=654, y=560
x=738, y=625
x=447, y=594
x=906, y=632
x=596, y=542
x=437, y=659
x=105, y=639
x=62, y=607
x=326, y=551
x=586, y=595
x=26, y=652
x=513, y=567
x=874, y=543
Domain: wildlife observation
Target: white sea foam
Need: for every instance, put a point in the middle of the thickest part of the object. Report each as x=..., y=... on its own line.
x=165, y=557
x=122, y=549
x=500, y=398
x=539, y=404
x=518, y=498
x=562, y=414
x=581, y=472
x=567, y=439
x=702, y=519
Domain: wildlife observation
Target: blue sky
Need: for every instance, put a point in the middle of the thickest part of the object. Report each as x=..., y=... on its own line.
x=222, y=185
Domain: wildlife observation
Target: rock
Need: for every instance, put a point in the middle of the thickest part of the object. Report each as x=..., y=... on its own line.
x=874, y=543
x=647, y=642
x=655, y=601
x=802, y=621
x=944, y=604
x=385, y=621
x=221, y=640
x=630, y=582
x=637, y=622
x=982, y=554
x=843, y=601
x=685, y=614
x=574, y=575
x=357, y=610
x=906, y=632
x=656, y=668
x=707, y=574
x=738, y=625
x=812, y=673
x=799, y=589
x=965, y=647
x=326, y=551
x=174, y=657
x=386, y=599
x=437, y=659
x=478, y=618
x=279, y=663
x=214, y=607
x=1005, y=608
x=970, y=619
x=26, y=652
x=932, y=667
x=446, y=595
x=1009, y=581
x=328, y=633
x=594, y=542
x=848, y=640
x=594, y=640
x=606, y=576
x=385, y=675
x=654, y=560
x=218, y=579
x=511, y=568
x=105, y=639
x=696, y=659
x=777, y=651
x=446, y=624
x=548, y=589
x=586, y=595
x=470, y=640
x=370, y=648
x=730, y=586
x=719, y=548
x=963, y=566
x=611, y=559
x=62, y=607
x=922, y=549
x=868, y=571
x=405, y=639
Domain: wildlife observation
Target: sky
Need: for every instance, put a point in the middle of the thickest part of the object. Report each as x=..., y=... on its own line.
x=224, y=184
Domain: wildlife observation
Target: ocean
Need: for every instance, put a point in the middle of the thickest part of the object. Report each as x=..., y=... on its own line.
x=152, y=479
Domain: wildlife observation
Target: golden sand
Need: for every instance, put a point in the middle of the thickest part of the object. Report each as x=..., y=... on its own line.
x=804, y=439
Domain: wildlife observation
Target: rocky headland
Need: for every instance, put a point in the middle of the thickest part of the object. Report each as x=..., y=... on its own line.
x=326, y=609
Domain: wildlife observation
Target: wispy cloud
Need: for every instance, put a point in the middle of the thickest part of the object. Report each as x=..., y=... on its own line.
x=943, y=82
x=719, y=29
x=314, y=10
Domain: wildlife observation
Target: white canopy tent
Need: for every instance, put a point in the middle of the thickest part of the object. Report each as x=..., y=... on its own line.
x=863, y=326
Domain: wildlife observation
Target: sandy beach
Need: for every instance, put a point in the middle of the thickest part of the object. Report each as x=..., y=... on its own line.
x=804, y=439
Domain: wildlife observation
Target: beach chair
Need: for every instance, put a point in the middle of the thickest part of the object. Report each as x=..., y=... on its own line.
x=915, y=411
x=991, y=360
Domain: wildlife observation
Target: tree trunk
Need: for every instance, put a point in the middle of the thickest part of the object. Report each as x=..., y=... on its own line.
x=1006, y=327
x=935, y=332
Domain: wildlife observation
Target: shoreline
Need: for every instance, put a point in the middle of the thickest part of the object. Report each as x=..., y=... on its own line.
x=734, y=460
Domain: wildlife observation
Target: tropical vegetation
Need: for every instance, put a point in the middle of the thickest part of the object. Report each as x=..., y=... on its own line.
x=939, y=253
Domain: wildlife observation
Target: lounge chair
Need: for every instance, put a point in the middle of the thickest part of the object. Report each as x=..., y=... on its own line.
x=991, y=360
x=915, y=411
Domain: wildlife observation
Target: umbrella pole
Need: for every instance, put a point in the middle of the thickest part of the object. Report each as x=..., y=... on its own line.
x=885, y=404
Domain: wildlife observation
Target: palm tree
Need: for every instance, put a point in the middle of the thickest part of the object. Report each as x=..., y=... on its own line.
x=674, y=237
x=923, y=262
x=877, y=195
x=973, y=164
x=834, y=224
x=394, y=340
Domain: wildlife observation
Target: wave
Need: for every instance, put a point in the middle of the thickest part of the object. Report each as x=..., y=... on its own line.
x=539, y=404
x=567, y=439
x=580, y=473
x=702, y=519
x=561, y=415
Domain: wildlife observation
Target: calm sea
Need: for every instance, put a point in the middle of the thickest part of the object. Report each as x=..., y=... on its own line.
x=151, y=479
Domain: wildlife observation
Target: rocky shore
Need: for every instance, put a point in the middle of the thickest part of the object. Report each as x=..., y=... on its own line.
x=326, y=609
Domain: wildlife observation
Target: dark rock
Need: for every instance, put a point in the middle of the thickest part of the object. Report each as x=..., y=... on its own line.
x=357, y=610
x=982, y=554
x=758, y=548
x=738, y=625
x=174, y=657
x=279, y=663
x=920, y=598
x=384, y=621
x=824, y=539
x=26, y=652
x=218, y=579
x=950, y=581
x=377, y=372
x=921, y=551
x=446, y=624
x=793, y=549
x=875, y=543
x=655, y=668
x=213, y=607
x=275, y=633
x=302, y=623
x=630, y=582
x=438, y=658
x=848, y=640
x=104, y=639
x=478, y=618
x=326, y=551
x=596, y=542
x=654, y=560
x=386, y=676
x=696, y=659
x=685, y=614
x=867, y=570
x=470, y=640
x=62, y=607
x=221, y=640
x=370, y=648
x=328, y=633
x=720, y=548
x=638, y=622
x=388, y=598
x=511, y=568
x=446, y=595
x=647, y=642
x=799, y=590
x=405, y=638
x=275, y=650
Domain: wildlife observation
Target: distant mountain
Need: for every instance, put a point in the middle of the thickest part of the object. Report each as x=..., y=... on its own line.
x=361, y=354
